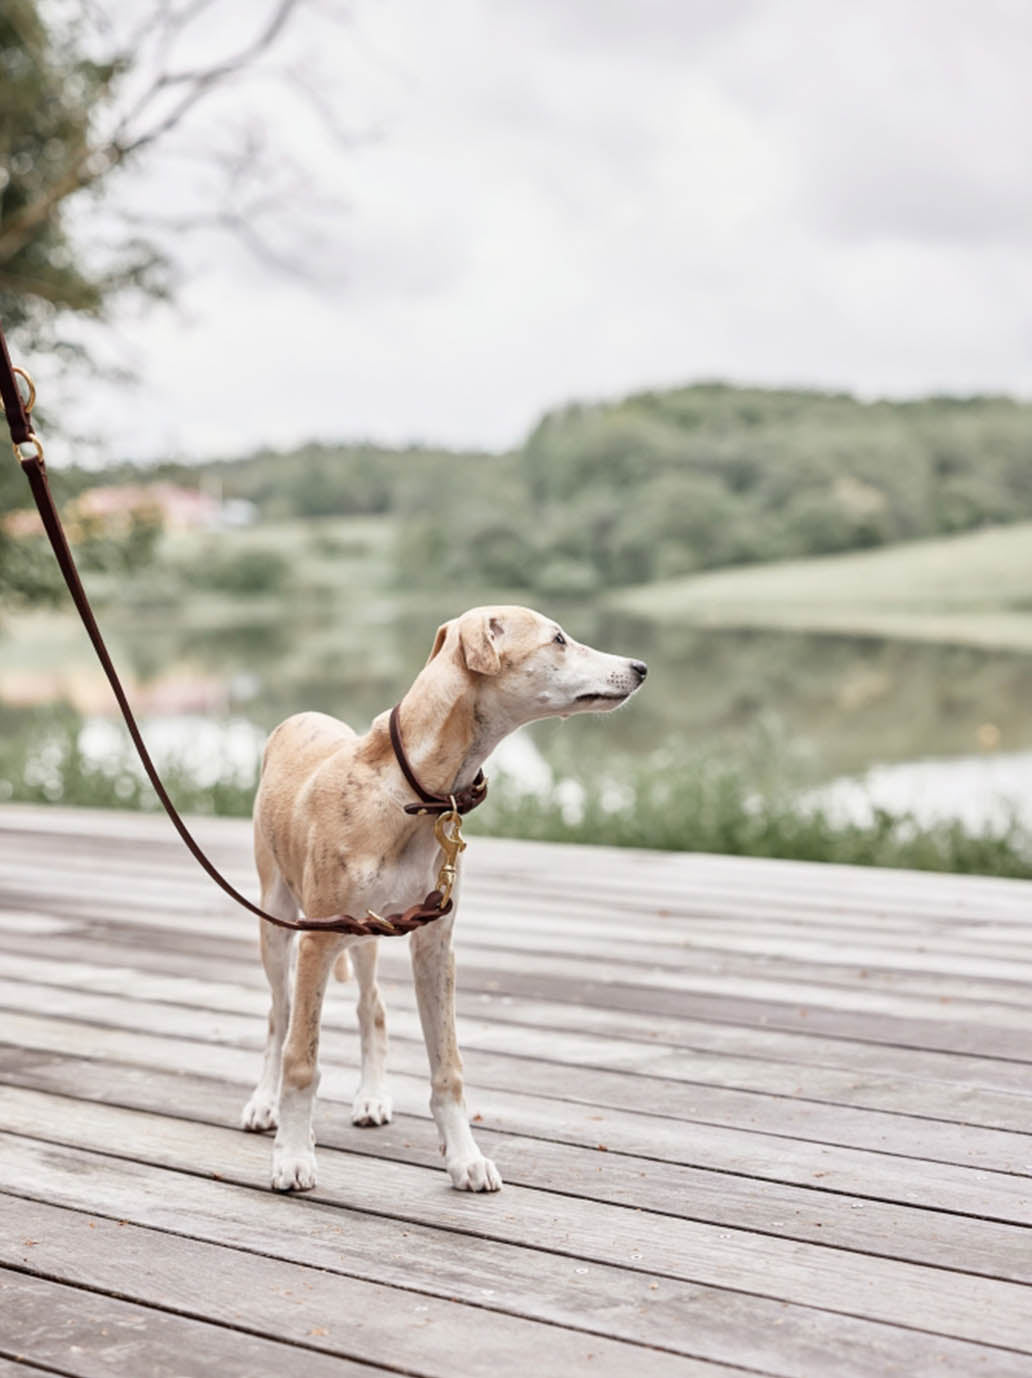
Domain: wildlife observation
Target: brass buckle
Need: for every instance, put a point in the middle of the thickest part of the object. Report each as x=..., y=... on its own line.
x=451, y=844
x=28, y=405
x=30, y=439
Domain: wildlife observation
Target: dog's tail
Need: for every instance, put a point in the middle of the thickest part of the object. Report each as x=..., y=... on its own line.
x=342, y=968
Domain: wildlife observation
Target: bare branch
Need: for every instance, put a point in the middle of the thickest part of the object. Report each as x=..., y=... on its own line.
x=141, y=96
x=87, y=164
x=200, y=82
x=301, y=84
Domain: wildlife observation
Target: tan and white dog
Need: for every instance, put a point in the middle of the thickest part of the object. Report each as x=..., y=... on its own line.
x=331, y=836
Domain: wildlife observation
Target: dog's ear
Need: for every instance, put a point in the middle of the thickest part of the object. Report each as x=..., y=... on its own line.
x=479, y=639
x=439, y=640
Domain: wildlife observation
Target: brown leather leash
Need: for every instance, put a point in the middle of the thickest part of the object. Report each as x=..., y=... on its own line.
x=446, y=809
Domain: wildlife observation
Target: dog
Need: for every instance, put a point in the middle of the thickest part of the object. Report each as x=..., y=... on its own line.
x=331, y=836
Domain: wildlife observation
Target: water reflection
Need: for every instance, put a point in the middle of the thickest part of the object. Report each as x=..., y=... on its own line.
x=837, y=705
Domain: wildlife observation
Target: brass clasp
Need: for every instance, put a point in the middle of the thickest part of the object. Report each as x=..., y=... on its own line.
x=451, y=844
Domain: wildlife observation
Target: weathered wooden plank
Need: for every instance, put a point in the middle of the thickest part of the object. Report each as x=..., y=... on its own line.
x=496, y=938
x=581, y=896
x=645, y=1132
x=69, y=1331
x=946, y=1028
x=668, y=1046
x=307, y=1307
x=901, y=1231
x=635, y=879
x=799, y=885
x=207, y=1019
x=803, y=1113
x=972, y=1190
x=494, y=933
x=960, y=1306
x=586, y=902
x=953, y=1026
x=766, y=1008
x=673, y=984
x=798, y=1342
x=153, y=897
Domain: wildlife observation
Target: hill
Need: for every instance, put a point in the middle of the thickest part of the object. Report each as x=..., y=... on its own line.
x=659, y=485
x=974, y=589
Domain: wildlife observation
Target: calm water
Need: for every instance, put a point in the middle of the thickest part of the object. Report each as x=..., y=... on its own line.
x=819, y=707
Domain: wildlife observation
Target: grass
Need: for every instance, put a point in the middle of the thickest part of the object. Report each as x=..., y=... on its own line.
x=673, y=802
x=972, y=590
x=706, y=807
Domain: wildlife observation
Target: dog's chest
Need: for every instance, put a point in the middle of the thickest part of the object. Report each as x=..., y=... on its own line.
x=396, y=879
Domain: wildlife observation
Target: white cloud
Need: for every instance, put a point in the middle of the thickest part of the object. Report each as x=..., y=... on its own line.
x=574, y=200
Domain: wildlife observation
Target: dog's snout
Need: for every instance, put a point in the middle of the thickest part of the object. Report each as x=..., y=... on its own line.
x=640, y=668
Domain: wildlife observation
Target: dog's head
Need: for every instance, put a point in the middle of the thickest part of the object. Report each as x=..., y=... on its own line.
x=528, y=667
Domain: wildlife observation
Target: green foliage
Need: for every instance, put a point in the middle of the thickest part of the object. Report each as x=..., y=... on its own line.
x=665, y=483
x=42, y=762
x=673, y=802
x=53, y=96
x=28, y=571
x=252, y=571
x=704, y=804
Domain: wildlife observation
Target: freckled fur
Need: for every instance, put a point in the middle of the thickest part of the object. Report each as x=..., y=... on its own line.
x=331, y=836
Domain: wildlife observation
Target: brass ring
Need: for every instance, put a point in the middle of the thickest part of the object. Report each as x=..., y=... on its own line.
x=16, y=446
x=28, y=405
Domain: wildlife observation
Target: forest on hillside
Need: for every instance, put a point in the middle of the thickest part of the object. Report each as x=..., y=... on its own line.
x=658, y=484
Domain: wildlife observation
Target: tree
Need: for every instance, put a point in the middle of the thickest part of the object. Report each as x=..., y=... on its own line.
x=84, y=106
x=81, y=104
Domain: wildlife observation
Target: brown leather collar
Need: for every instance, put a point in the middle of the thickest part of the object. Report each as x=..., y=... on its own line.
x=462, y=800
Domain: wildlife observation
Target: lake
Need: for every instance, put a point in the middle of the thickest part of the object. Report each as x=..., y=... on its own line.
x=941, y=730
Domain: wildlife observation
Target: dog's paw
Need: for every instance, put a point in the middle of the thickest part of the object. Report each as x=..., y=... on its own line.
x=474, y=1174
x=259, y=1114
x=293, y=1171
x=370, y=1109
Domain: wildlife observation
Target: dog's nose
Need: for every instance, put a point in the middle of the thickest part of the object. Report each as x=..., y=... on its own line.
x=640, y=668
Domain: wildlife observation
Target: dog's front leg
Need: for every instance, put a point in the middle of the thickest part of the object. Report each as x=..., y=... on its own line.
x=293, y=1158
x=433, y=966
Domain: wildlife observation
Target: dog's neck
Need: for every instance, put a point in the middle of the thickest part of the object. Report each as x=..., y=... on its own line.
x=446, y=740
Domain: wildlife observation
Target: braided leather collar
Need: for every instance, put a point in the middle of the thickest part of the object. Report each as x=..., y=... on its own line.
x=462, y=800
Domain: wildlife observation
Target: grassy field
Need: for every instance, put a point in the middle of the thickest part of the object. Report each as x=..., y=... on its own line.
x=971, y=590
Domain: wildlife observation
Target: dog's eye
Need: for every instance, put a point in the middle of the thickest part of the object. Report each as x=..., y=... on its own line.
x=559, y=639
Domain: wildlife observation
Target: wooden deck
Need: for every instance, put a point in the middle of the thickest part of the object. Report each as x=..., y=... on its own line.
x=784, y=1129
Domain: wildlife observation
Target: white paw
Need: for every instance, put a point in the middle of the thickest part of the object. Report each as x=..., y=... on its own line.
x=259, y=1113
x=474, y=1174
x=292, y=1171
x=371, y=1108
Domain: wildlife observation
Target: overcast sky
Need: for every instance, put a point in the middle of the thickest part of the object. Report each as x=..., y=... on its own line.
x=567, y=199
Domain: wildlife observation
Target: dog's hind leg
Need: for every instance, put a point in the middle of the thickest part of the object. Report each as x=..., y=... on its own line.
x=433, y=966
x=372, y=1104
x=293, y=1159
x=260, y=1111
